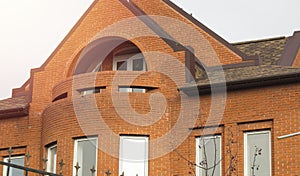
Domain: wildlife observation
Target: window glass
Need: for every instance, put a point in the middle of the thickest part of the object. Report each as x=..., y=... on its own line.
x=13, y=171
x=122, y=65
x=129, y=62
x=208, y=151
x=129, y=89
x=85, y=155
x=141, y=90
x=258, y=153
x=133, y=156
x=138, y=64
x=52, y=155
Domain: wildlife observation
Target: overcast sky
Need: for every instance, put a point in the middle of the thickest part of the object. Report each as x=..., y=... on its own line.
x=31, y=29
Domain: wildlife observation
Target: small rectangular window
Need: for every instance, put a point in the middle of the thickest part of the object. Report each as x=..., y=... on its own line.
x=51, y=156
x=209, y=155
x=90, y=91
x=122, y=65
x=18, y=160
x=85, y=154
x=257, y=151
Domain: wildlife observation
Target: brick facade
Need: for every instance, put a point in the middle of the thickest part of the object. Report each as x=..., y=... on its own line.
x=59, y=111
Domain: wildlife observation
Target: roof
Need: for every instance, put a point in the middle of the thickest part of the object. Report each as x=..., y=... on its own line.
x=243, y=77
x=11, y=107
x=267, y=72
x=268, y=50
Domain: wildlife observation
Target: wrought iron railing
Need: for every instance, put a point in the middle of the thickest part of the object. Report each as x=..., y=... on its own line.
x=26, y=168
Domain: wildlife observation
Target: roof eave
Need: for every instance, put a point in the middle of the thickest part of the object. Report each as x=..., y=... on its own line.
x=15, y=112
x=196, y=89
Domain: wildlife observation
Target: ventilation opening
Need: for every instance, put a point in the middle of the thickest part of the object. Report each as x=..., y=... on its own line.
x=62, y=96
x=137, y=89
x=89, y=91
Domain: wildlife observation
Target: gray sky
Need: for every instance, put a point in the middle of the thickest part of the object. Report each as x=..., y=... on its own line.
x=31, y=29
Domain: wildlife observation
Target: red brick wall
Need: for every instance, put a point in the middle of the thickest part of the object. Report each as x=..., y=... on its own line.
x=297, y=60
x=275, y=108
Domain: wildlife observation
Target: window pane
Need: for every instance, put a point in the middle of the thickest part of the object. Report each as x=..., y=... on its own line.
x=138, y=64
x=52, y=159
x=141, y=90
x=86, y=156
x=209, y=155
x=122, y=65
x=258, y=153
x=13, y=171
x=133, y=156
x=125, y=89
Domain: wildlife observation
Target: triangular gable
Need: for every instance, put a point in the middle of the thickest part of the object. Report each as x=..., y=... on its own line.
x=227, y=53
x=106, y=12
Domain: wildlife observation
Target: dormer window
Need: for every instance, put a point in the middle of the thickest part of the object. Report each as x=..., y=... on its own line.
x=111, y=54
x=129, y=62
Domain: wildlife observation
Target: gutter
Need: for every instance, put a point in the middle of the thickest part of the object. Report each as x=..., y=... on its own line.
x=196, y=89
x=16, y=112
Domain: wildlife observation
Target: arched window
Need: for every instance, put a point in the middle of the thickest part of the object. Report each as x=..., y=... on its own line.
x=111, y=53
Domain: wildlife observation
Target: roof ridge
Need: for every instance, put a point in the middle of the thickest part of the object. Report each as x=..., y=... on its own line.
x=259, y=40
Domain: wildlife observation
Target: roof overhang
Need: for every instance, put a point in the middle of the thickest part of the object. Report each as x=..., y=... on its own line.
x=15, y=112
x=200, y=89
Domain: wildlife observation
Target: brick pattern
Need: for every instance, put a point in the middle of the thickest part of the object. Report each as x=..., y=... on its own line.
x=275, y=108
x=297, y=60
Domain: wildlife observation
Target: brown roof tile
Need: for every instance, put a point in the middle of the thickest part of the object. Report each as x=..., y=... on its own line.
x=268, y=50
x=14, y=106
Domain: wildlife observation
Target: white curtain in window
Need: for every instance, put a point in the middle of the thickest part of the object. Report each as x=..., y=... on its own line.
x=209, y=152
x=86, y=154
x=258, y=153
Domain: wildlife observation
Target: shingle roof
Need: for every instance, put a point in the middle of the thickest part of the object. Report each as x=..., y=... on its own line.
x=268, y=50
x=247, y=73
x=14, y=105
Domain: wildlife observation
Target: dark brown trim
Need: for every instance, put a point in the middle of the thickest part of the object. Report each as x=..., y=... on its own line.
x=205, y=127
x=135, y=135
x=85, y=137
x=291, y=50
x=16, y=112
x=17, y=147
x=206, y=29
x=155, y=27
x=50, y=144
x=254, y=121
x=195, y=89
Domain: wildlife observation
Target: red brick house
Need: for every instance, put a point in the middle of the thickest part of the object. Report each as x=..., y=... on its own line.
x=142, y=88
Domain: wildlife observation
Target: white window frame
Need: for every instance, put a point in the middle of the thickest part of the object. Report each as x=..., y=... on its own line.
x=128, y=58
x=146, y=150
x=6, y=160
x=198, y=158
x=246, y=149
x=49, y=161
x=128, y=89
x=98, y=68
x=76, y=148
